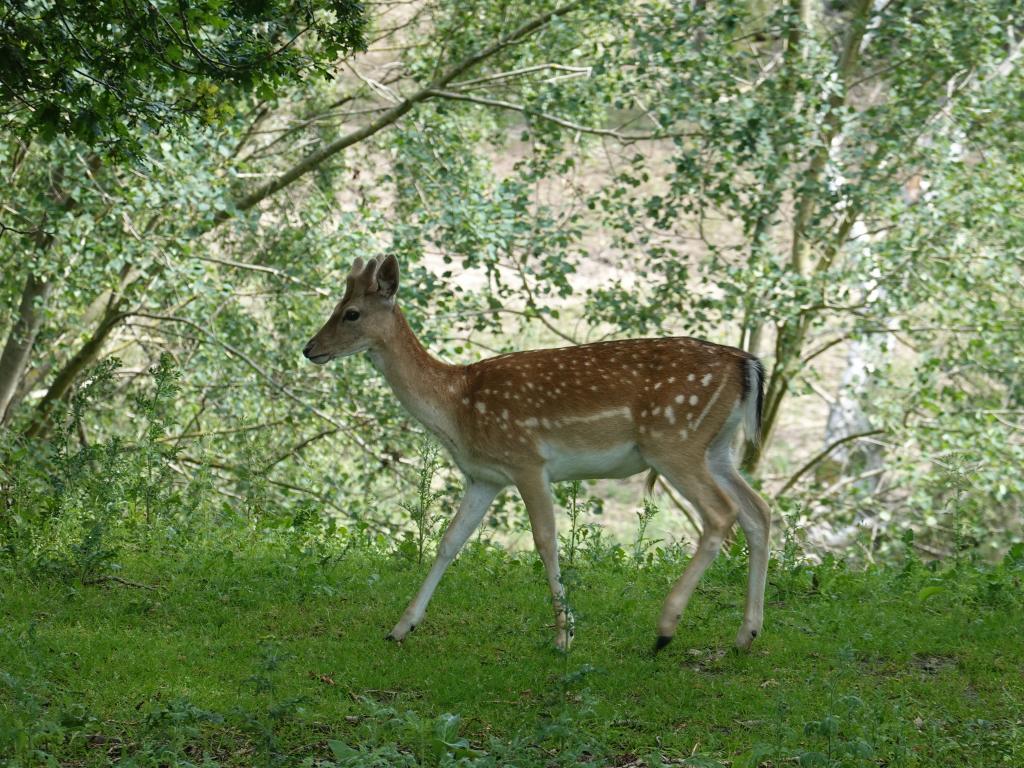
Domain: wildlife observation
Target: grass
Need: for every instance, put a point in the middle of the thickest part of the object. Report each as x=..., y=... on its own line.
x=273, y=654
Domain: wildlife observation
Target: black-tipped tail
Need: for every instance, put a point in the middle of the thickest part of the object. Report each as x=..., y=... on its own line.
x=753, y=397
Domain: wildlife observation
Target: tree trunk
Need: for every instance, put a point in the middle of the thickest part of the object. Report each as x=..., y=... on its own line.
x=18, y=349
x=846, y=416
x=87, y=354
x=22, y=336
x=791, y=335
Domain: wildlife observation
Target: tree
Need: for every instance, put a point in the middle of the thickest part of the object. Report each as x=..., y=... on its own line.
x=111, y=76
x=107, y=73
x=730, y=170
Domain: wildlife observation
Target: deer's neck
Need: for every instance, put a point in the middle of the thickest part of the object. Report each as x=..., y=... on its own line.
x=427, y=387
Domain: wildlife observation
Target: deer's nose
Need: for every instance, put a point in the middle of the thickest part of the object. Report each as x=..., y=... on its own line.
x=307, y=349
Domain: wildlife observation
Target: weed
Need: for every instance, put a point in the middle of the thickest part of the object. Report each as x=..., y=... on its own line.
x=264, y=723
x=421, y=511
x=642, y=545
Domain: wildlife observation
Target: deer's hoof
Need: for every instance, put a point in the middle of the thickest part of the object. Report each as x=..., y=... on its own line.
x=745, y=639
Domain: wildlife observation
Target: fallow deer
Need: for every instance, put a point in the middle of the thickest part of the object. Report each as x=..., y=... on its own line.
x=606, y=410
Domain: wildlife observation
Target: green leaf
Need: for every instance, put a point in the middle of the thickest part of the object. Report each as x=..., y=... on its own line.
x=929, y=592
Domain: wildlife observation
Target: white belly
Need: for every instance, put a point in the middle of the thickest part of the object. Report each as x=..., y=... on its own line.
x=563, y=463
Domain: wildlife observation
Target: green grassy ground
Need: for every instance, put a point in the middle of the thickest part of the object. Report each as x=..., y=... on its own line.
x=275, y=655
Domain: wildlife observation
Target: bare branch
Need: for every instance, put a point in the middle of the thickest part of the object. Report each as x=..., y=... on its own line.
x=342, y=426
x=573, y=72
x=610, y=132
x=266, y=269
x=821, y=455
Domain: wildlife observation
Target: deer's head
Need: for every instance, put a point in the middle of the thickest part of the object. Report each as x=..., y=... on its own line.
x=364, y=318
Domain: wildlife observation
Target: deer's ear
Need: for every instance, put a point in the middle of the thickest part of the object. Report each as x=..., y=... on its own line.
x=387, y=278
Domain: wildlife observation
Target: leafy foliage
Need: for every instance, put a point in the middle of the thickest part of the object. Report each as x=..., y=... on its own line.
x=799, y=186
x=107, y=72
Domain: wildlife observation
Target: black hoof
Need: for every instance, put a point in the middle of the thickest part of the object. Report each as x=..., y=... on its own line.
x=661, y=642
x=392, y=639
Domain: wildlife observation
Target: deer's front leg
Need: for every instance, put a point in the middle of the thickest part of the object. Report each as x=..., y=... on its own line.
x=475, y=502
x=536, y=493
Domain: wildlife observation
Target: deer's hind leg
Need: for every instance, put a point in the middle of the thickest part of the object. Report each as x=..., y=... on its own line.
x=536, y=493
x=755, y=519
x=718, y=514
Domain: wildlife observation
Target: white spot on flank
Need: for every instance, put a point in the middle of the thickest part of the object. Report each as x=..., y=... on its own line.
x=680, y=398
x=671, y=379
x=465, y=401
x=530, y=422
x=655, y=411
x=706, y=380
x=693, y=399
x=504, y=413
x=670, y=415
x=690, y=377
x=480, y=406
x=684, y=434
x=658, y=385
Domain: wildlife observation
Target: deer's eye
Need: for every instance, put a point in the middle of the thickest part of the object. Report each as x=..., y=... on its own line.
x=351, y=314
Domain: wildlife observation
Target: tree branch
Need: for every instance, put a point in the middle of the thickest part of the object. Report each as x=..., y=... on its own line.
x=488, y=79
x=267, y=270
x=317, y=157
x=821, y=455
x=617, y=135
x=342, y=426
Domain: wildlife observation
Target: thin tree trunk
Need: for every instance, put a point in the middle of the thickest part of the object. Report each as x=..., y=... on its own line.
x=18, y=350
x=22, y=336
x=800, y=252
x=35, y=376
x=87, y=354
x=790, y=337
